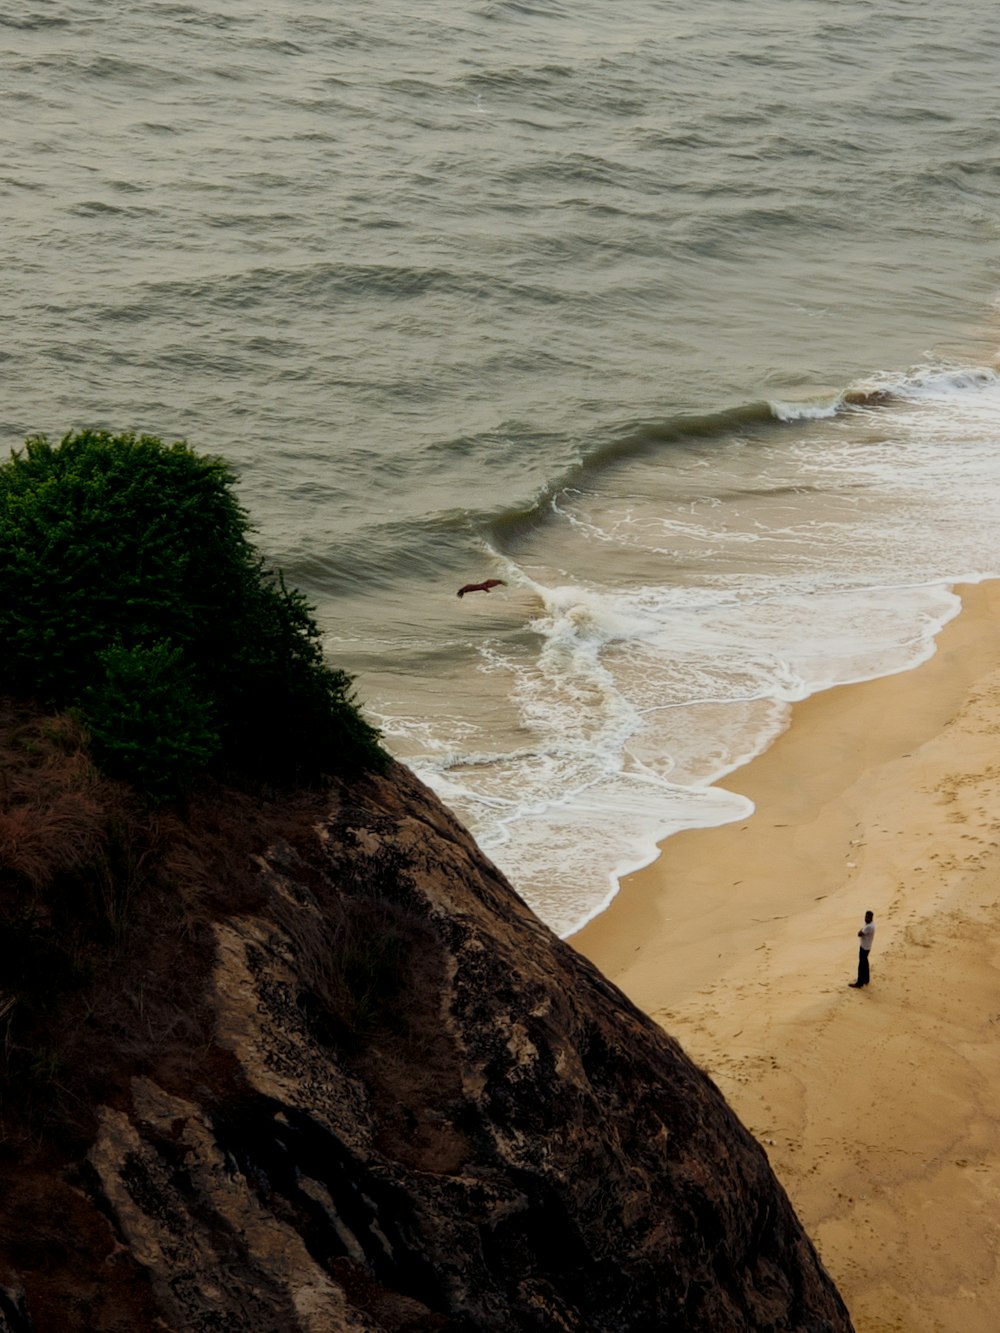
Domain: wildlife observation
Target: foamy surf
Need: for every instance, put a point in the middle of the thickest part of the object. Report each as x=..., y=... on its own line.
x=637, y=713
x=822, y=555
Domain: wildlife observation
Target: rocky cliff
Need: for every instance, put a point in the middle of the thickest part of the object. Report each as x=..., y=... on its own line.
x=338, y=1077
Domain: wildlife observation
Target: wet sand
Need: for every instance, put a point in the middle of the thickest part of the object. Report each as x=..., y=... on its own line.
x=879, y=1108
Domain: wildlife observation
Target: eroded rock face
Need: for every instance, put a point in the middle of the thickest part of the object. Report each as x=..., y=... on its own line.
x=419, y=1110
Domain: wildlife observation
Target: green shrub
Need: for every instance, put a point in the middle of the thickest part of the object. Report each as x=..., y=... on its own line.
x=129, y=589
x=148, y=722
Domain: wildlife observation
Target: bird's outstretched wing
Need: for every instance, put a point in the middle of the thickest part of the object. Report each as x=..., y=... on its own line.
x=485, y=586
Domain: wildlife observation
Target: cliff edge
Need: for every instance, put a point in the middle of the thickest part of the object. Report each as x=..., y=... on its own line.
x=336, y=1076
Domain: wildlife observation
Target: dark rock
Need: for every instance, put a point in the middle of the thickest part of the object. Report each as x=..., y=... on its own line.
x=417, y=1110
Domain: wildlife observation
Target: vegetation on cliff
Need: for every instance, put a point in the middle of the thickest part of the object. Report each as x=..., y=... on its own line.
x=147, y=653
x=130, y=591
x=297, y=1058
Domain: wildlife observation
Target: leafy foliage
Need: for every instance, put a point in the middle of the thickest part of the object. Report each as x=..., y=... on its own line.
x=148, y=722
x=129, y=589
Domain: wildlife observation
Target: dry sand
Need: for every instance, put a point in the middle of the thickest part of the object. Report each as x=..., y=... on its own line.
x=879, y=1108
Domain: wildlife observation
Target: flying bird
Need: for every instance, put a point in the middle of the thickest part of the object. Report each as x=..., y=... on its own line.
x=481, y=587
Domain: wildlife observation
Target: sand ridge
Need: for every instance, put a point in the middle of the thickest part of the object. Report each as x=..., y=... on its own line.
x=878, y=1108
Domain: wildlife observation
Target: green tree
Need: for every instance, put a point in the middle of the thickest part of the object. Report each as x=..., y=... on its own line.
x=129, y=589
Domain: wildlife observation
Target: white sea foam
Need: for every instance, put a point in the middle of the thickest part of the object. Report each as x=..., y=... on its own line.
x=965, y=387
x=630, y=737
x=827, y=557
x=787, y=411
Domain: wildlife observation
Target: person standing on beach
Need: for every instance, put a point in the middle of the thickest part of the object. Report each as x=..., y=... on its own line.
x=866, y=935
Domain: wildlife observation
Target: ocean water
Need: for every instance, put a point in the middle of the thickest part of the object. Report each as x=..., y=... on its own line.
x=682, y=319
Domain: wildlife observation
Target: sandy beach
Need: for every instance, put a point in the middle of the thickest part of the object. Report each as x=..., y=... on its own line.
x=878, y=1107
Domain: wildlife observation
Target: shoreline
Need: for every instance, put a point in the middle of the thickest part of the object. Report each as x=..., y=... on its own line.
x=876, y=1108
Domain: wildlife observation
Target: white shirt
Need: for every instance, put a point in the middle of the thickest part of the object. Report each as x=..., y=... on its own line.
x=867, y=933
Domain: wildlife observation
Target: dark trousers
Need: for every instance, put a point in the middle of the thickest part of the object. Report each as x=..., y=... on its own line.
x=862, y=967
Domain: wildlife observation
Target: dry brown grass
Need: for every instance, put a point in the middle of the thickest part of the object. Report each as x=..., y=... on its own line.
x=105, y=913
x=52, y=817
x=107, y=909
